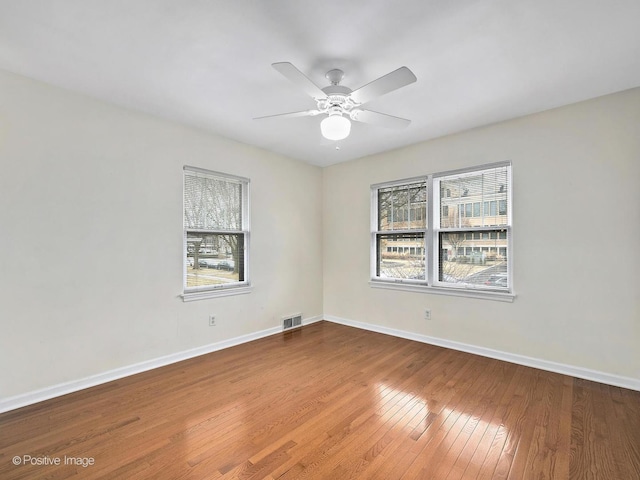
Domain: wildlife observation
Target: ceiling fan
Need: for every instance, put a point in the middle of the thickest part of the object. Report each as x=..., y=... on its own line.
x=340, y=104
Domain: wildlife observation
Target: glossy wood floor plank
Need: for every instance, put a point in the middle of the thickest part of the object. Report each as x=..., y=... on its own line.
x=331, y=402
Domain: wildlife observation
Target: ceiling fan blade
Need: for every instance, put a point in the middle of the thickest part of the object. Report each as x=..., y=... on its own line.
x=388, y=83
x=300, y=79
x=380, y=119
x=304, y=113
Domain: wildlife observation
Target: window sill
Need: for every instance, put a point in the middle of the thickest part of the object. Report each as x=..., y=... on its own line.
x=221, y=292
x=407, y=287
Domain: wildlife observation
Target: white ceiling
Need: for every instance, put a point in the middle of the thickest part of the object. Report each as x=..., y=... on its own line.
x=207, y=63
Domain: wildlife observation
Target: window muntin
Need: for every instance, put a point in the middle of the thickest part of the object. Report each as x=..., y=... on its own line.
x=465, y=238
x=215, y=230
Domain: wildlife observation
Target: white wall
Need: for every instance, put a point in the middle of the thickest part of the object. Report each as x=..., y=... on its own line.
x=91, y=238
x=576, y=177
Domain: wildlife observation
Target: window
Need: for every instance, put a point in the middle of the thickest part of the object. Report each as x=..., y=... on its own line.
x=400, y=231
x=452, y=231
x=467, y=210
x=216, y=233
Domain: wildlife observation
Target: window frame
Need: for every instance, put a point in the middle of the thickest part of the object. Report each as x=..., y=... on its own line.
x=222, y=289
x=432, y=230
x=376, y=233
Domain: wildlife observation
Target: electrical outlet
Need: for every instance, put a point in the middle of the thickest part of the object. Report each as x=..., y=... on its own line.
x=212, y=320
x=427, y=314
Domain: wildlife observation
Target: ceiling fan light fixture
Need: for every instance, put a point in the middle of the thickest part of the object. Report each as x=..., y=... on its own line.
x=335, y=127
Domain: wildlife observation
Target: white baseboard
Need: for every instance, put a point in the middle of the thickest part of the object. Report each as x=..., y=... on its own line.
x=29, y=398
x=579, y=372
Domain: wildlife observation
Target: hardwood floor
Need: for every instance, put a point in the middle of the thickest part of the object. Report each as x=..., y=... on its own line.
x=331, y=402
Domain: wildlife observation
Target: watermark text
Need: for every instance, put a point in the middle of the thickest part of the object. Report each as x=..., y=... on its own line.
x=45, y=460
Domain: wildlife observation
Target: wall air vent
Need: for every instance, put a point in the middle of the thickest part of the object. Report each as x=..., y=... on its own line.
x=292, y=321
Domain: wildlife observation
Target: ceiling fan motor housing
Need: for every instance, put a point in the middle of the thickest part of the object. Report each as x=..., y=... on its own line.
x=337, y=98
